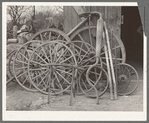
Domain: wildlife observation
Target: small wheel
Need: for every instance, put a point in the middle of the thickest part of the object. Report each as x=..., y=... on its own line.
x=85, y=56
x=20, y=64
x=50, y=35
x=127, y=79
x=52, y=61
x=94, y=76
x=10, y=58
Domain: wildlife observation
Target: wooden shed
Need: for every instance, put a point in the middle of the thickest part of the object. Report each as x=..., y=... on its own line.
x=111, y=14
x=124, y=20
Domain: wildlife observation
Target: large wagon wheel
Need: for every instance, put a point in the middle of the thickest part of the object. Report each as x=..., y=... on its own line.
x=127, y=79
x=50, y=35
x=52, y=60
x=88, y=34
x=20, y=64
x=94, y=76
x=10, y=58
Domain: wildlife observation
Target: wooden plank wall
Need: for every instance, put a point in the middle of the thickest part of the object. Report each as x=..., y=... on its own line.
x=71, y=18
x=111, y=14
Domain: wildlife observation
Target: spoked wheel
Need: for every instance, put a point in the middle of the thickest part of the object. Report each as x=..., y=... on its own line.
x=10, y=58
x=50, y=35
x=94, y=76
x=88, y=34
x=85, y=56
x=52, y=61
x=127, y=79
x=20, y=64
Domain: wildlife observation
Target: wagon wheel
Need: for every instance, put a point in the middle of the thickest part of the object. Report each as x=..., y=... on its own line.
x=85, y=56
x=127, y=79
x=50, y=35
x=21, y=62
x=10, y=58
x=94, y=76
x=88, y=34
x=58, y=56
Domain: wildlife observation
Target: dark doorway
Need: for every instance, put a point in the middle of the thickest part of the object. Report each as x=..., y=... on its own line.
x=132, y=37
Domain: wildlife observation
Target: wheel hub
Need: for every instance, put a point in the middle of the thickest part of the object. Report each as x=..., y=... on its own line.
x=122, y=78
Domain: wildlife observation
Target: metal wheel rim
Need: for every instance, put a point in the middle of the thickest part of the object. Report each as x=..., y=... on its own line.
x=123, y=93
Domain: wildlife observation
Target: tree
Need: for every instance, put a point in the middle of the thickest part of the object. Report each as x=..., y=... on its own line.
x=15, y=13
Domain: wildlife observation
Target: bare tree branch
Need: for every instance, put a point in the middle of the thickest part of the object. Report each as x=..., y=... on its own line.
x=16, y=12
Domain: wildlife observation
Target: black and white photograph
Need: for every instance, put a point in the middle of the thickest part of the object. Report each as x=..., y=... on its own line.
x=74, y=61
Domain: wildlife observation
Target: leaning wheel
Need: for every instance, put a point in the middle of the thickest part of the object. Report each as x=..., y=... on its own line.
x=10, y=59
x=20, y=64
x=85, y=56
x=88, y=34
x=50, y=35
x=52, y=61
x=94, y=76
x=127, y=79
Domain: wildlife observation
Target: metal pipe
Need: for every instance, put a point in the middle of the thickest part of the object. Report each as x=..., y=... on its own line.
x=111, y=61
x=99, y=34
x=108, y=68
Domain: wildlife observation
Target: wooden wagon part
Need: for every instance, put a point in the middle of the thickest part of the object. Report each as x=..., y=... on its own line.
x=53, y=54
x=20, y=64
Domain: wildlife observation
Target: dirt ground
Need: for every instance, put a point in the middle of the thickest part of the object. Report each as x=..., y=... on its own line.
x=18, y=99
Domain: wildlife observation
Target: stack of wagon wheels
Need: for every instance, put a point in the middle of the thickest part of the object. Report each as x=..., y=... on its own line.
x=52, y=55
x=32, y=60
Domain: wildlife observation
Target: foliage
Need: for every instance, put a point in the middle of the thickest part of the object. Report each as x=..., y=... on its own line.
x=47, y=17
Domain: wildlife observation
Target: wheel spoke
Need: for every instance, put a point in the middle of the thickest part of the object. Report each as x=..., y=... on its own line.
x=41, y=37
x=38, y=69
x=64, y=71
x=84, y=84
x=58, y=81
x=41, y=58
x=25, y=80
x=23, y=56
x=21, y=74
x=90, y=36
x=44, y=78
x=38, y=63
x=39, y=75
x=62, y=77
x=58, y=37
x=21, y=62
x=62, y=54
x=66, y=59
x=95, y=73
x=20, y=68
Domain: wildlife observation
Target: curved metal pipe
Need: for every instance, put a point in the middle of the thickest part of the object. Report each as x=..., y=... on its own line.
x=99, y=34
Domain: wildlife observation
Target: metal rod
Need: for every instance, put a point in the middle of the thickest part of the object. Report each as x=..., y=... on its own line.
x=111, y=62
x=115, y=72
x=108, y=68
x=71, y=93
x=49, y=90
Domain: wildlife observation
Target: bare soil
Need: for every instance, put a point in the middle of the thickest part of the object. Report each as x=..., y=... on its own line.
x=18, y=99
